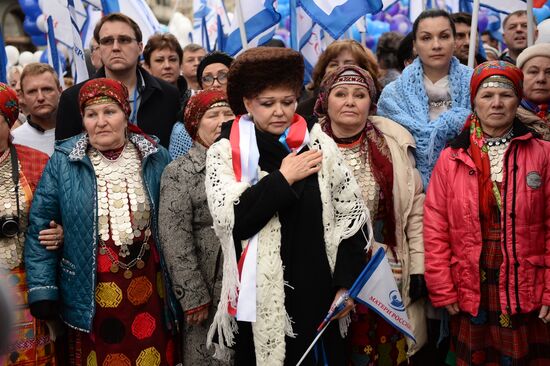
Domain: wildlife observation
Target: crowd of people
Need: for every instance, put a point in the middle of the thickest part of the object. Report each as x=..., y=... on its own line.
x=190, y=208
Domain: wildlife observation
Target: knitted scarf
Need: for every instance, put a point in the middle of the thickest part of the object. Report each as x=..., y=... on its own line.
x=405, y=101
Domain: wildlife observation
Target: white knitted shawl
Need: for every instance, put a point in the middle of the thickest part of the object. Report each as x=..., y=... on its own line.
x=344, y=213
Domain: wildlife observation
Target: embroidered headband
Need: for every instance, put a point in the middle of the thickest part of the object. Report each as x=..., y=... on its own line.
x=9, y=105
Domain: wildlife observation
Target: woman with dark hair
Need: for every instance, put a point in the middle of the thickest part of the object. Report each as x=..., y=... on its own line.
x=431, y=97
x=486, y=229
x=338, y=53
x=190, y=245
x=379, y=152
x=289, y=215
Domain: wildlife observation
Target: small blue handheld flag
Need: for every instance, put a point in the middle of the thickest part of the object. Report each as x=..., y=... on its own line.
x=376, y=288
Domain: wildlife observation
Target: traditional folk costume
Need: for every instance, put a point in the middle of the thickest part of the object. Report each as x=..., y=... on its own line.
x=126, y=323
x=192, y=249
x=31, y=343
x=498, y=323
x=379, y=157
x=308, y=237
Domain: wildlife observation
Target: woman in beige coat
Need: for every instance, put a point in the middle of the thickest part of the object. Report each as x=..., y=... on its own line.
x=379, y=151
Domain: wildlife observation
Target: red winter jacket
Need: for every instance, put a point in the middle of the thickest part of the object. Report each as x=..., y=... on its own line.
x=452, y=230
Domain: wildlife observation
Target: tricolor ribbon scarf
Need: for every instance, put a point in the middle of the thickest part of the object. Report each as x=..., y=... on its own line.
x=245, y=156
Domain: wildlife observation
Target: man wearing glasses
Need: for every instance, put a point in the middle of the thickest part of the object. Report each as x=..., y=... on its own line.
x=154, y=103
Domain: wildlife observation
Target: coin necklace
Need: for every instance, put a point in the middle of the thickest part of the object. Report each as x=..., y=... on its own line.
x=357, y=160
x=123, y=206
x=496, y=148
x=11, y=249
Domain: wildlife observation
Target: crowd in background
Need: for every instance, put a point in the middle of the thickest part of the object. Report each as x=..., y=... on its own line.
x=133, y=204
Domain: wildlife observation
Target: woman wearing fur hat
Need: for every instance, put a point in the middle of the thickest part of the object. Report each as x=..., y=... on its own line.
x=191, y=248
x=288, y=213
x=534, y=61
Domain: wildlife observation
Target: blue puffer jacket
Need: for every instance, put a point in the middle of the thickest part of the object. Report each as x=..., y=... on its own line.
x=67, y=193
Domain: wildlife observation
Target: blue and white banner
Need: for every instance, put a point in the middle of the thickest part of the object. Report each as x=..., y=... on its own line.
x=205, y=22
x=80, y=71
x=260, y=21
x=309, y=40
x=336, y=16
x=503, y=6
x=376, y=288
x=61, y=18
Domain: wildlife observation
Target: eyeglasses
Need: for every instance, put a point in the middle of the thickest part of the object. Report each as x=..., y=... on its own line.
x=122, y=40
x=209, y=79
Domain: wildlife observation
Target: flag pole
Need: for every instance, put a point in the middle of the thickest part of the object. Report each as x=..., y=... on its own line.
x=242, y=29
x=293, y=25
x=3, y=60
x=473, y=34
x=313, y=343
x=530, y=24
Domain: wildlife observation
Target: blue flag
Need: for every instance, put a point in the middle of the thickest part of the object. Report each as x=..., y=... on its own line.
x=336, y=16
x=376, y=288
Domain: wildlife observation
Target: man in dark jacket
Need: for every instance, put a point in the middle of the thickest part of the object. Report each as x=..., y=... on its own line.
x=155, y=103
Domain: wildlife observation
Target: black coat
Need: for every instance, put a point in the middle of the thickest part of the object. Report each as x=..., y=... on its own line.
x=311, y=287
x=157, y=112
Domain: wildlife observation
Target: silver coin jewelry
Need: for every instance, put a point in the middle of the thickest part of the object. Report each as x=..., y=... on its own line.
x=11, y=248
x=497, y=147
x=123, y=206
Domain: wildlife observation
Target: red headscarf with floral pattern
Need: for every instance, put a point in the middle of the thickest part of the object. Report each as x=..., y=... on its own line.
x=198, y=105
x=9, y=105
x=104, y=90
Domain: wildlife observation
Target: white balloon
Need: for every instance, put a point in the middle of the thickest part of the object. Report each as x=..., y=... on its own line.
x=25, y=58
x=13, y=55
x=36, y=56
x=180, y=26
x=41, y=23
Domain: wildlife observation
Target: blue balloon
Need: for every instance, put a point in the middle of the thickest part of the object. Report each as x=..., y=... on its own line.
x=30, y=27
x=39, y=40
x=541, y=13
x=377, y=27
x=401, y=24
x=30, y=8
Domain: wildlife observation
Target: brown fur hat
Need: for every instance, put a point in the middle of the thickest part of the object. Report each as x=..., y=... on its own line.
x=260, y=68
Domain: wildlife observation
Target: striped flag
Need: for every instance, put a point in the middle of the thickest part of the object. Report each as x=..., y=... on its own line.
x=309, y=41
x=336, y=16
x=205, y=22
x=80, y=71
x=259, y=19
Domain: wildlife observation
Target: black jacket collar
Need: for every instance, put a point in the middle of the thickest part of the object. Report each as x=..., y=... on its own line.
x=463, y=139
